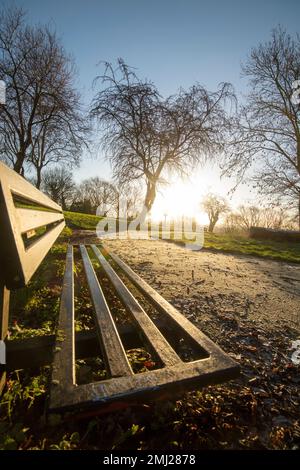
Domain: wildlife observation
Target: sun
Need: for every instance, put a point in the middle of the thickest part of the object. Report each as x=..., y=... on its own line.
x=178, y=199
x=182, y=197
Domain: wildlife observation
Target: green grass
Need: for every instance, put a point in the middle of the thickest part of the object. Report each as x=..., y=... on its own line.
x=282, y=251
x=34, y=308
x=81, y=221
x=85, y=221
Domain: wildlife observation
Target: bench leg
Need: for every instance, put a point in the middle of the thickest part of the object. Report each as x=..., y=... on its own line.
x=4, y=315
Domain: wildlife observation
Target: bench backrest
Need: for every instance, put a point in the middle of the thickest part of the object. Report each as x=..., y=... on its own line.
x=24, y=212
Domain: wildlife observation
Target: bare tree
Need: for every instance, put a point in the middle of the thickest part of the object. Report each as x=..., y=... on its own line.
x=132, y=193
x=80, y=204
x=270, y=217
x=59, y=185
x=252, y=216
x=145, y=135
x=39, y=80
x=232, y=223
x=59, y=139
x=280, y=183
x=267, y=131
x=214, y=206
x=248, y=216
x=101, y=194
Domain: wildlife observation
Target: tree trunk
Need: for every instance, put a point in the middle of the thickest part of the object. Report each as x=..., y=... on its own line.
x=118, y=207
x=38, y=177
x=212, y=223
x=150, y=195
x=211, y=226
x=18, y=166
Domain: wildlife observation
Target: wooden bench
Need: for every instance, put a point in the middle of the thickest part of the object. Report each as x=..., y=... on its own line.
x=20, y=257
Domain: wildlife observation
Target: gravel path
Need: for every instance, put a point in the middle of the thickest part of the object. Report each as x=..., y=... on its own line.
x=205, y=284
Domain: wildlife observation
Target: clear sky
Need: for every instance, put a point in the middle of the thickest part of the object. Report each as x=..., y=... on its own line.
x=172, y=42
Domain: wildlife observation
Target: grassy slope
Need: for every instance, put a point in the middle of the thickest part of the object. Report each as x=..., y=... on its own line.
x=81, y=221
x=266, y=249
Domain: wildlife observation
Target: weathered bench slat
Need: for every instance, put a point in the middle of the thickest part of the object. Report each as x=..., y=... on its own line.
x=36, y=252
x=2, y=381
x=169, y=381
x=112, y=348
x=19, y=263
x=63, y=372
x=156, y=340
x=4, y=316
x=4, y=309
x=22, y=188
x=30, y=219
x=166, y=308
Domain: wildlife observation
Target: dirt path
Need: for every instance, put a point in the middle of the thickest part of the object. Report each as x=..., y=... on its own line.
x=204, y=284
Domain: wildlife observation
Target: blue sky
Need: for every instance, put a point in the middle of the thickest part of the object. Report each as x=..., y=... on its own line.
x=172, y=42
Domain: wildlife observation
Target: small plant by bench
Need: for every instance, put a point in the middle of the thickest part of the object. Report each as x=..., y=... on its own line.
x=30, y=224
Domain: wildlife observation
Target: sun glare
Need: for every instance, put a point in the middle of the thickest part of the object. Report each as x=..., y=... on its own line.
x=177, y=200
x=183, y=197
